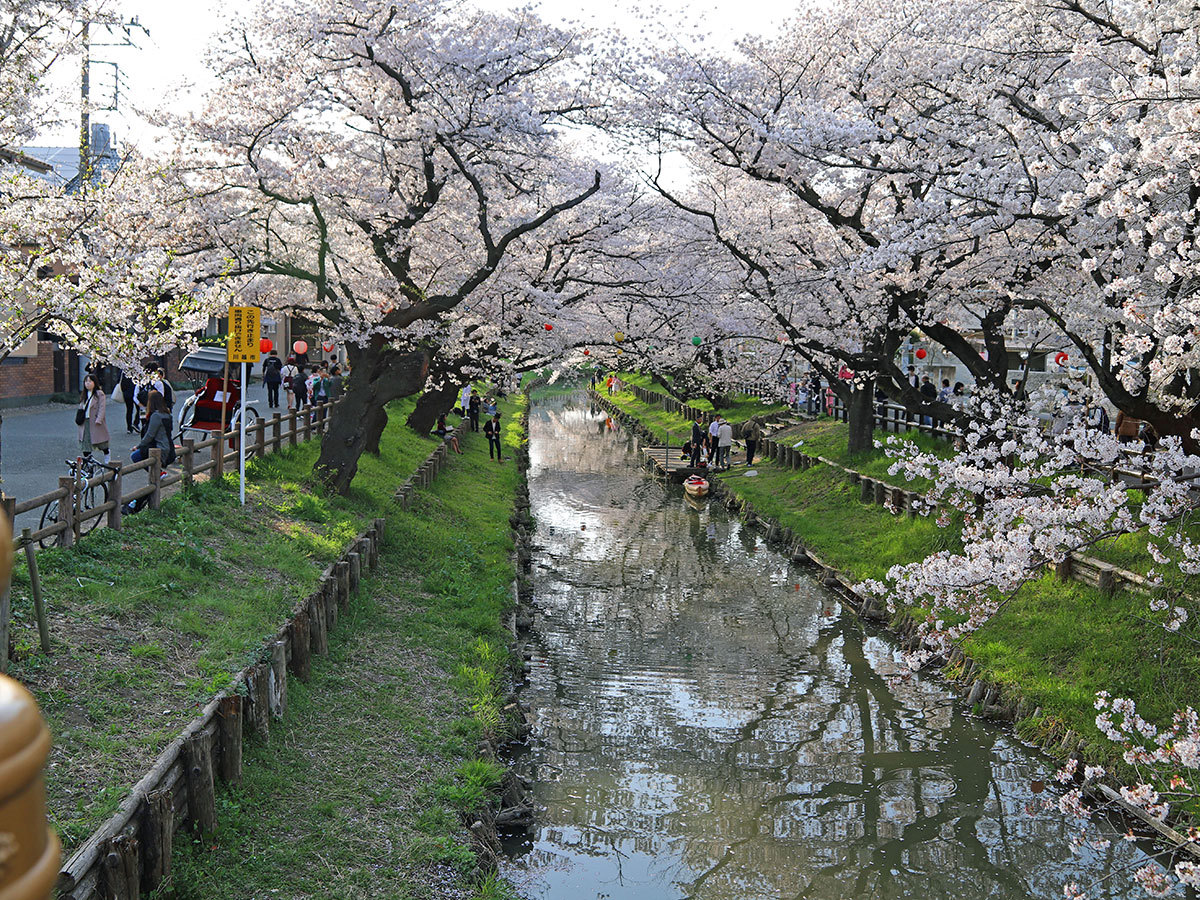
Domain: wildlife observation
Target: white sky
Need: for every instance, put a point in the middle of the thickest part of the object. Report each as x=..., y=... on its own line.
x=180, y=32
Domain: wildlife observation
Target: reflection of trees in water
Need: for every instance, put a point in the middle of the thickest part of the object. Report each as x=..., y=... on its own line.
x=699, y=718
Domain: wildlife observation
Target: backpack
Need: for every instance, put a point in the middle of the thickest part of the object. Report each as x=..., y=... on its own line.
x=272, y=366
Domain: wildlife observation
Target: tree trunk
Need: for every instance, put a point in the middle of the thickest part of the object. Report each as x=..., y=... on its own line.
x=375, y=425
x=378, y=375
x=430, y=405
x=860, y=417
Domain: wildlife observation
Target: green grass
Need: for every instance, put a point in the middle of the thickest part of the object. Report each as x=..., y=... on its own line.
x=362, y=789
x=1056, y=642
x=148, y=623
x=742, y=408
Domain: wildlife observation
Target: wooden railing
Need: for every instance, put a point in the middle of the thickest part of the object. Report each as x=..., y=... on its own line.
x=122, y=483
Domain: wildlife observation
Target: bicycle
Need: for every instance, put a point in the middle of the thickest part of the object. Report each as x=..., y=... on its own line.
x=83, y=469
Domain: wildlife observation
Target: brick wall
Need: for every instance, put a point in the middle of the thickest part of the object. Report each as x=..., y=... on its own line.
x=26, y=380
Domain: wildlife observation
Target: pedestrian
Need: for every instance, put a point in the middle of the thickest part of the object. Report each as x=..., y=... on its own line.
x=444, y=431
x=946, y=392
x=881, y=403
x=300, y=386
x=1128, y=427
x=301, y=358
x=724, y=444
x=697, y=441
x=287, y=376
x=713, y=427
x=489, y=407
x=336, y=383
x=473, y=407
x=608, y=383
x=320, y=386
x=929, y=392
x=752, y=433
x=128, y=391
x=157, y=433
x=491, y=430
x=90, y=417
x=273, y=378
x=1097, y=418
x=830, y=400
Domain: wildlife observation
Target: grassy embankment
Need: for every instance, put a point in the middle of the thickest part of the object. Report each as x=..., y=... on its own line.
x=742, y=408
x=148, y=623
x=1056, y=642
x=362, y=788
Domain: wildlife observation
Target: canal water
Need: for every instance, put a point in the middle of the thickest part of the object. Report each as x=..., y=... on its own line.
x=710, y=723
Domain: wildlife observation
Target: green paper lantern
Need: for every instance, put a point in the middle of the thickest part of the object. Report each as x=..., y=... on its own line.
x=696, y=341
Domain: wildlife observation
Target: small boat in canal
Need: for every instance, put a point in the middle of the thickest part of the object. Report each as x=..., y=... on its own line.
x=695, y=486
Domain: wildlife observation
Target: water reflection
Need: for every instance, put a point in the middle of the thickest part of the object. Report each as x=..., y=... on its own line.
x=708, y=723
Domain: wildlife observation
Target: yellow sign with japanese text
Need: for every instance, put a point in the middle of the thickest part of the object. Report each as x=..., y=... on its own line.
x=244, y=328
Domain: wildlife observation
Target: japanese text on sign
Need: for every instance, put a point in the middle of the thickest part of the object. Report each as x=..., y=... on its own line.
x=243, y=334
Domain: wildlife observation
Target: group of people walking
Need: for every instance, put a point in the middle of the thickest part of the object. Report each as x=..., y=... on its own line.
x=712, y=447
x=302, y=387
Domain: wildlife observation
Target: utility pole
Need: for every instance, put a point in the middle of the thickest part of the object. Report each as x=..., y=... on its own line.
x=123, y=32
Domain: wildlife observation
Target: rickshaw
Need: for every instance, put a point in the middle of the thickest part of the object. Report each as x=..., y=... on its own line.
x=200, y=413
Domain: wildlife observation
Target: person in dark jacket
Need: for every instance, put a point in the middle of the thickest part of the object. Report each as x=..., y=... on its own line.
x=491, y=431
x=129, y=394
x=699, y=438
x=273, y=378
x=752, y=433
x=929, y=392
x=473, y=407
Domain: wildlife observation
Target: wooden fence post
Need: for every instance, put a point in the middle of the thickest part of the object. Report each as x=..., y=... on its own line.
x=276, y=433
x=308, y=424
x=155, y=477
x=218, y=457
x=291, y=428
x=35, y=585
x=114, y=493
x=260, y=440
x=187, y=461
x=66, y=505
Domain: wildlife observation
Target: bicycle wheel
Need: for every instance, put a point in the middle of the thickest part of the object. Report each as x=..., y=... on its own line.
x=92, y=497
x=49, y=517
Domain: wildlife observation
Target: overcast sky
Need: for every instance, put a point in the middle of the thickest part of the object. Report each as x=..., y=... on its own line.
x=179, y=32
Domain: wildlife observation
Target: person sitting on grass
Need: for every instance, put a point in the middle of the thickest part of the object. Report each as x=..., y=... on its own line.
x=443, y=431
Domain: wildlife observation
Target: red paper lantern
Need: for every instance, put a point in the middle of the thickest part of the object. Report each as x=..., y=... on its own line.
x=327, y=346
x=1061, y=358
x=548, y=327
x=922, y=353
x=265, y=345
x=300, y=347
x=587, y=352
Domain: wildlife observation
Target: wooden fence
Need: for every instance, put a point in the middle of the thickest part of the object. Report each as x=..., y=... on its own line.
x=125, y=484
x=130, y=854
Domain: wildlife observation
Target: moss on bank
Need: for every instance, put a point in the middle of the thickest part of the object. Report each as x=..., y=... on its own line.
x=1056, y=642
x=362, y=788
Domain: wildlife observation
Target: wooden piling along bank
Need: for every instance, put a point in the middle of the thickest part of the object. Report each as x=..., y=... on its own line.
x=993, y=701
x=130, y=854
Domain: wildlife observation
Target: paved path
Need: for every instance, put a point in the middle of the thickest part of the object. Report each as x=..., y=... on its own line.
x=37, y=441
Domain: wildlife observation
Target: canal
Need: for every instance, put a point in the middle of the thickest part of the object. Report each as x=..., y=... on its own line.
x=710, y=723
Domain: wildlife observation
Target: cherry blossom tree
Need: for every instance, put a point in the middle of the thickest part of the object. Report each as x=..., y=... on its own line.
x=372, y=168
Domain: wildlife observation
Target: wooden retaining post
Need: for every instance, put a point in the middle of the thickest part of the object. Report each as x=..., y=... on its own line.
x=277, y=680
x=329, y=589
x=1107, y=581
x=866, y=490
x=354, y=558
x=1063, y=568
x=318, y=635
x=122, y=877
x=229, y=727
x=881, y=493
x=300, y=664
x=259, y=684
x=156, y=832
x=198, y=769
x=343, y=584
